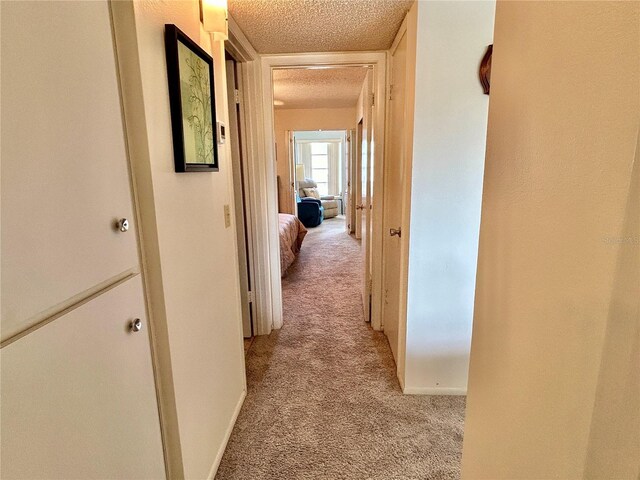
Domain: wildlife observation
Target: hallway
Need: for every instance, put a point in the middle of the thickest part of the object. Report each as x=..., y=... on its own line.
x=323, y=400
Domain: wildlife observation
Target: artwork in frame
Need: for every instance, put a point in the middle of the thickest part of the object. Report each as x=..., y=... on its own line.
x=192, y=100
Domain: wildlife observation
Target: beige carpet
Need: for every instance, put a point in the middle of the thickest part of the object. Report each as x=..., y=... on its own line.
x=323, y=400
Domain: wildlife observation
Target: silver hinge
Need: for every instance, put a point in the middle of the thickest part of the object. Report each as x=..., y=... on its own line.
x=236, y=96
x=373, y=99
x=250, y=296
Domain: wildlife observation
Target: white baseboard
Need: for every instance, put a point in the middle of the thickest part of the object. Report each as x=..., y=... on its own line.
x=227, y=435
x=433, y=391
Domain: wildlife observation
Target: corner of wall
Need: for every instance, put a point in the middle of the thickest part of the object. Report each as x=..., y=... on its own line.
x=447, y=166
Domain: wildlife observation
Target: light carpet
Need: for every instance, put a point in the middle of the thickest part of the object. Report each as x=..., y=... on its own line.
x=323, y=401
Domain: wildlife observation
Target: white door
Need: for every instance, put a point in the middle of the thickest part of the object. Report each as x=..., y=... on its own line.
x=394, y=188
x=78, y=396
x=65, y=181
x=348, y=196
x=292, y=182
x=357, y=182
x=353, y=179
x=366, y=177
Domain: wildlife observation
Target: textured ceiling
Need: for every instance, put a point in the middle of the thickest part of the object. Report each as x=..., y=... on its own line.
x=318, y=88
x=294, y=26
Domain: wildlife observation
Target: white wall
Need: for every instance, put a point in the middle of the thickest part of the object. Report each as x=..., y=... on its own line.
x=190, y=257
x=554, y=385
x=448, y=160
x=303, y=119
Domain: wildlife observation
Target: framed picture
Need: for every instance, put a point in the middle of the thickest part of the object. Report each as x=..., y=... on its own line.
x=192, y=99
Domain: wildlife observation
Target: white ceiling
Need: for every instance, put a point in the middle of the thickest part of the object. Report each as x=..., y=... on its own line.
x=294, y=26
x=337, y=87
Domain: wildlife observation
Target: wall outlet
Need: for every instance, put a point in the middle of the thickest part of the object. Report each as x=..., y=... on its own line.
x=227, y=216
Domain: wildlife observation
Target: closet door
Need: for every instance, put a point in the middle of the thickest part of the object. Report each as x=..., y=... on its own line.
x=77, y=385
x=78, y=398
x=65, y=180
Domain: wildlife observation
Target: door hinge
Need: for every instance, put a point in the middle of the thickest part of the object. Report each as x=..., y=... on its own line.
x=236, y=96
x=373, y=99
x=390, y=92
x=250, y=296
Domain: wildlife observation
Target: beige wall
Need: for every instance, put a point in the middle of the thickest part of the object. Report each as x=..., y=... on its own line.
x=554, y=388
x=303, y=119
x=190, y=257
x=449, y=133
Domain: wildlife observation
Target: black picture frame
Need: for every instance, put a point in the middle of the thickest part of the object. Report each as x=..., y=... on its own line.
x=191, y=102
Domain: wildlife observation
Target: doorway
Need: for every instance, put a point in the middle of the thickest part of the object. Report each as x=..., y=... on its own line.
x=366, y=152
x=319, y=159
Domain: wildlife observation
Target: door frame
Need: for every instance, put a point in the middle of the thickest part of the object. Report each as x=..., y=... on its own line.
x=296, y=141
x=250, y=88
x=378, y=62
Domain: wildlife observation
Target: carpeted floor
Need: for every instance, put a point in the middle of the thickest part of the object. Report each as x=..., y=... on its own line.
x=323, y=400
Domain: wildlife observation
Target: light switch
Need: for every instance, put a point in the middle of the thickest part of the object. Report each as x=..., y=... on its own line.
x=227, y=216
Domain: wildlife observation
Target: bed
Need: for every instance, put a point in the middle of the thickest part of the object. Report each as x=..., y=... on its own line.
x=292, y=232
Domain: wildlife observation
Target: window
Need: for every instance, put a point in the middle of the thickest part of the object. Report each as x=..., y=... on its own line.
x=322, y=154
x=320, y=166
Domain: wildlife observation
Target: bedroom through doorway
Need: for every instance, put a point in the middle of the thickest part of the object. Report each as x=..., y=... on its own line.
x=320, y=172
x=322, y=131
x=315, y=113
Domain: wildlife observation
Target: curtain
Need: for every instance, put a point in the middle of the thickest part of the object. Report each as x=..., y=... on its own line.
x=334, y=168
x=304, y=157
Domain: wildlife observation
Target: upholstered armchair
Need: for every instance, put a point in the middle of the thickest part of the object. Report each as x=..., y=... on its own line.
x=329, y=202
x=310, y=212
